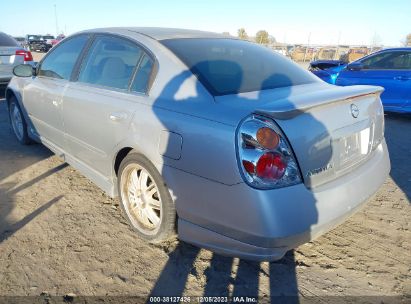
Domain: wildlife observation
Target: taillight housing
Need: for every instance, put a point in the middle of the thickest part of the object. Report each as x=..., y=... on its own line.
x=265, y=157
x=27, y=55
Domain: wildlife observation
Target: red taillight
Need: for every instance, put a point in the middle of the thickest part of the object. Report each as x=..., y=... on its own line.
x=27, y=55
x=271, y=166
x=249, y=167
x=265, y=156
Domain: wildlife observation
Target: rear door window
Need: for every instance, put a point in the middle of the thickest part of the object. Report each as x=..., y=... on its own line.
x=143, y=74
x=60, y=62
x=110, y=62
x=402, y=62
x=397, y=60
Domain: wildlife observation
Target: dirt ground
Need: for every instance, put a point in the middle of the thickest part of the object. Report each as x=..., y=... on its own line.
x=60, y=234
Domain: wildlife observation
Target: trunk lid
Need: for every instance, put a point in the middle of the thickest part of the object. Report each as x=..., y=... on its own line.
x=331, y=129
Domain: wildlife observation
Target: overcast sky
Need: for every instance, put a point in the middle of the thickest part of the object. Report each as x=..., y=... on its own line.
x=291, y=21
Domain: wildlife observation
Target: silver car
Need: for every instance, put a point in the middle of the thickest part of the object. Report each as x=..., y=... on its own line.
x=11, y=55
x=224, y=141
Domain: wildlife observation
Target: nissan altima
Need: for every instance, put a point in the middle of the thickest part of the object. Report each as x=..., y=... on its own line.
x=226, y=143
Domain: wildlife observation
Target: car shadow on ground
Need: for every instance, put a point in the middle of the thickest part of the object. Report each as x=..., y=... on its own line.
x=14, y=158
x=398, y=137
x=220, y=279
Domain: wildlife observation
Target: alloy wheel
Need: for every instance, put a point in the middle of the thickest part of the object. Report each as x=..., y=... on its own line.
x=141, y=199
x=16, y=121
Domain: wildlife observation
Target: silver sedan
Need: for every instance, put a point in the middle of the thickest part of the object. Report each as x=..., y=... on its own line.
x=227, y=143
x=11, y=55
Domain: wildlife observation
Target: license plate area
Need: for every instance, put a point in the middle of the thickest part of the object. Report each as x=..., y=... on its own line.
x=5, y=60
x=353, y=145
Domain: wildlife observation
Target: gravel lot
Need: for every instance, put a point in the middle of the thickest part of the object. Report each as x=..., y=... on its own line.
x=60, y=234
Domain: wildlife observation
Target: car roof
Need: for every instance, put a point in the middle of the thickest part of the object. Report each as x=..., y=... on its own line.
x=160, y=33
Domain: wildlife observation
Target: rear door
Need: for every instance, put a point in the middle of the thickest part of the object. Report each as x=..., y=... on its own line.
x=99, y=106
x=389, y=69
x=43, y=94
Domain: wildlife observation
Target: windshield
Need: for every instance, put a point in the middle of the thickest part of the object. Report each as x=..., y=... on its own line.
x=230, y=66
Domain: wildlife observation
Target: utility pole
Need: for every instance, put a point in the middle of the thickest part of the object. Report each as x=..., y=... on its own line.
x=308, y=45
x=55, y=15
x=285, y=43
x=338, y=47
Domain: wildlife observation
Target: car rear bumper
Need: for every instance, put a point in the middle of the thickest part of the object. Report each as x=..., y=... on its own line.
x=264, y=224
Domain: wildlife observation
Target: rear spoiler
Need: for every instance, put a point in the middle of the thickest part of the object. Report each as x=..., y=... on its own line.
x=295, y=105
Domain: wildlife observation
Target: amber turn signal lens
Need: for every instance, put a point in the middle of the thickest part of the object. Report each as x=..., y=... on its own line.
x=267, y=138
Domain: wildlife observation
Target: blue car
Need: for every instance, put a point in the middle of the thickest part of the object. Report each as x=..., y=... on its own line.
x=389, y=68
x=327, y=70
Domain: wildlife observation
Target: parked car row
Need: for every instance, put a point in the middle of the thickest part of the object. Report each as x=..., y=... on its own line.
x=39, y=43
x=341, y=52
x=17, y=50
x=388, y=68
x=230, y=144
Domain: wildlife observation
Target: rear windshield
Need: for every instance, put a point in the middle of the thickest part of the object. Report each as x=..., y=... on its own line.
x=230, y=66
x=6, y=40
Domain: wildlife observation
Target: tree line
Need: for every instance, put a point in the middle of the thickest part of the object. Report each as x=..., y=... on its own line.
x=262, y=36
x=407, y=41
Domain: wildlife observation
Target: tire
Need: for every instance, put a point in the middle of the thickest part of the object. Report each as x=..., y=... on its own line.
x=145, y=200
x=18, y=123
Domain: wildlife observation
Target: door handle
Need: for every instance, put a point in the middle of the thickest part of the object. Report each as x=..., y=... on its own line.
x=402, y=78
x=118, y=116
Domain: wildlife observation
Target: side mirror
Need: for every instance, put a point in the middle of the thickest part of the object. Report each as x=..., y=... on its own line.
x=355, y=66
x=23, y=70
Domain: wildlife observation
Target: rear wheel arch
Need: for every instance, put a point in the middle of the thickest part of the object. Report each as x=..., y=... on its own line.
x=127, y=148
x=121, y=154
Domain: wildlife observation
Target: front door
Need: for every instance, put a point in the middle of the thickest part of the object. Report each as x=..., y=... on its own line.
x=42, y=97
